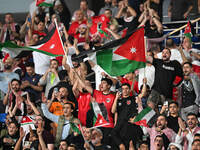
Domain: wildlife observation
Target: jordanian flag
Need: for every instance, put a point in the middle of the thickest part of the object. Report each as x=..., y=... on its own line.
x=100, y=115
x=145, y=118
x=188, y=32
x=46, y=3
x=127, y=56
x=51, y=45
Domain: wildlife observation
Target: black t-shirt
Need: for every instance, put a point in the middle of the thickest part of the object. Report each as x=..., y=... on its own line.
x=151, y=32
x=172, y=123
x=102, y=147
x=131, y=25
x=126, y=108
x=165, y=73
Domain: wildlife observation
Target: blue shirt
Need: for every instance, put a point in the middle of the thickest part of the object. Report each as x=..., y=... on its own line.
x=34, y=81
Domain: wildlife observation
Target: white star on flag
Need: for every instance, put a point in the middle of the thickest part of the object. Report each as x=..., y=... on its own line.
x=133, y=50
x=52, y=46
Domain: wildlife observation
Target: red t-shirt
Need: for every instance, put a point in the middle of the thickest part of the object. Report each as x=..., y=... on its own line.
x=83, y=106
x=74, y=26
x=108, y=101
x=135, y=86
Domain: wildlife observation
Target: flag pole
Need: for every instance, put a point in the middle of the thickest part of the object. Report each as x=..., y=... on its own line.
x=60, y=37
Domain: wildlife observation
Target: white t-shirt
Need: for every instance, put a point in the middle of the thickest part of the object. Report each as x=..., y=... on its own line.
x=175, y=55
x=149, y=73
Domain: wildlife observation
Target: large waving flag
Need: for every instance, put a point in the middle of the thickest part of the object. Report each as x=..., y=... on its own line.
x=122, y=56
x=51, y=45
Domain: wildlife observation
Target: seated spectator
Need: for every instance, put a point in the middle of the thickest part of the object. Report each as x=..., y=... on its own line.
x=84, y=8
x=10, y=29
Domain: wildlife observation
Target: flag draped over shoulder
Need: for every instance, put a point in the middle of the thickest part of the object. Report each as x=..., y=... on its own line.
x=99, y=25
x=50, y=45
x=46, y=3
x=124, y=55
x=145, y=117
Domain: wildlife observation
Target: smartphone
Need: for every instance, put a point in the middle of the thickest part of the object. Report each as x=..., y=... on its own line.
x=55, y=90
x=29, y=19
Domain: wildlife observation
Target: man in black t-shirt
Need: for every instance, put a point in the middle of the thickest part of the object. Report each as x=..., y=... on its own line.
x=125, y=108
x=165, y=74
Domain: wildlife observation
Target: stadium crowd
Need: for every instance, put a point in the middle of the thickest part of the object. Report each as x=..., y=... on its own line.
x=51, y=102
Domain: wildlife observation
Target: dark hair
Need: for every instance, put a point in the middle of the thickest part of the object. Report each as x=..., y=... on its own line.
x=16, y=81
x=71, y=104
x=108, y=10
x=14, y=122
x=62, y=74
x=54, y=60
x=143, y=142
x=126, y=84
x=192, y=114
x=167, y=49
x=197, y=134
x=189, y=63
x=109, y=81
x=30, y=64
x=196, y=140
x=158, y=136
x=9, y=14
x=173, y=102
x=84, y=1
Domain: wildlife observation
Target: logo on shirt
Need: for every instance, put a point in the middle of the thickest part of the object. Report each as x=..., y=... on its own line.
x=108, y=100
x=120, y=104
x=128, y=102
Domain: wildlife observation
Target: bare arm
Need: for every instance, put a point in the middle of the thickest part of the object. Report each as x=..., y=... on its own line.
x=114, y=106
x=18, y=144
x=182, y=54
x=75, y=89
x=35, y=110
x=115, y=35
x=64, y=63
